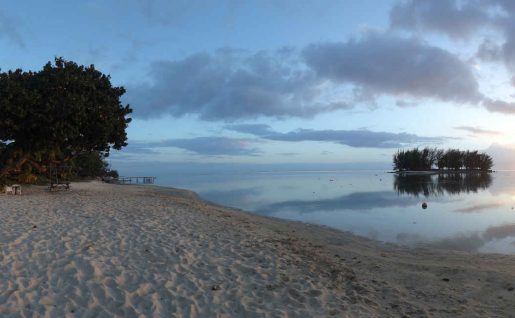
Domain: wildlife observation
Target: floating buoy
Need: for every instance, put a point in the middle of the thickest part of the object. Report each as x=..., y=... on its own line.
x=424, y=205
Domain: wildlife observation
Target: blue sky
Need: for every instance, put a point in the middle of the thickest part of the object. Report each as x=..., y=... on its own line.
x=286, y=81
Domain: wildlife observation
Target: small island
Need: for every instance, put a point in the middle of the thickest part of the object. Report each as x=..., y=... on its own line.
x=434, y=160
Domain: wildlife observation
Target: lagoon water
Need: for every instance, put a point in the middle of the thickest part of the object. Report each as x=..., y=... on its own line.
x=464, y=212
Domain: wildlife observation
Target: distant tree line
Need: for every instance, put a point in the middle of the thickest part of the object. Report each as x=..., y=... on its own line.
x=452, y=159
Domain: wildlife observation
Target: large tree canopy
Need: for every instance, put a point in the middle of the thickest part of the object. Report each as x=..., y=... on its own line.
x=58, y=113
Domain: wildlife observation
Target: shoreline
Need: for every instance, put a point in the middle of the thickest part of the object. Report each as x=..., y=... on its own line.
x=143, y=250
x=436, y=171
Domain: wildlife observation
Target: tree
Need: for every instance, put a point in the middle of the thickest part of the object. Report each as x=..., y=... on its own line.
x=485, y=162
x=452, y=159
x=90, y=164
x=56, y=114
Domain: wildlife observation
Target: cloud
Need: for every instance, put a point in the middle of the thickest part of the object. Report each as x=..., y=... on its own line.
x=458, y=19
x=135, y=150
x=231, y=84
x=489, y=51
x=478, y=130
x=355, y=138
x=9, y=29
x=212, y=146
x=463, y=19
x=499, y=106
x=209, y=146
x=386, y=64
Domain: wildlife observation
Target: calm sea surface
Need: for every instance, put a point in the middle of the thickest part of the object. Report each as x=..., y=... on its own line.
x=470, y=212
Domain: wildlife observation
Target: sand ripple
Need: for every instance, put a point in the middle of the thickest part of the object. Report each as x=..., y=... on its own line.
x=103, y=251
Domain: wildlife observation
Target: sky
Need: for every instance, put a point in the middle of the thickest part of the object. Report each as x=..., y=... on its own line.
x=286, y=82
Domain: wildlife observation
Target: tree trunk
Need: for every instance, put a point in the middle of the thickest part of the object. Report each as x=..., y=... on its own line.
x=13, y=168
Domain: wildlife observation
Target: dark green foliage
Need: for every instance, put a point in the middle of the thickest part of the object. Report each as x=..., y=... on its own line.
x=415, y=159
x=89, y=165
x=112, y=174
x=57, y=114
x=452, y=159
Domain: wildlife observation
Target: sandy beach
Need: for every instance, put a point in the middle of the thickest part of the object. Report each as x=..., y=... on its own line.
x=104, y=250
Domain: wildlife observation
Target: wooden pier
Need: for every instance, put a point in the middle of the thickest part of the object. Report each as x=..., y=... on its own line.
x=136, y=180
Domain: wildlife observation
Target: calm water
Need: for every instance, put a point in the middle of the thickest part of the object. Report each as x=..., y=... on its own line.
x=465, y=212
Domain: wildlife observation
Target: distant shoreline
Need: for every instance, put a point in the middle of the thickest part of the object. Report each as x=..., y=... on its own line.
x=437, y=171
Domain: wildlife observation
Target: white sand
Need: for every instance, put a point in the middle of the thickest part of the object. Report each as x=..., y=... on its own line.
x=104, y=250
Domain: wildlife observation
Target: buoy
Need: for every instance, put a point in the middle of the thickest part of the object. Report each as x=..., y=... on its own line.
x=424, y=205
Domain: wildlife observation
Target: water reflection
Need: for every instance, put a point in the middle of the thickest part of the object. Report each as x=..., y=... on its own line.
x=469, y=212
x=471, y=242
x=235, y=198
x=441, y=184
x=477, y=208
x=357, y=201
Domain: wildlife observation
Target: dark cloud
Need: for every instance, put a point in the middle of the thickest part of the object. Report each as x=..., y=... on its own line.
x=489, y=51
x=212, y=146
x=386, y=64
x=455, y=18
x=463, y=19
x=478, y=130
x=355, y=138
x=229, y=85
x=499, y=106
x=260, y=130
x=234, y=84
x=9, y=29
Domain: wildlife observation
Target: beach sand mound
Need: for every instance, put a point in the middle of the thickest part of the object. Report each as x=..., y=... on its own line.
x=125, y=251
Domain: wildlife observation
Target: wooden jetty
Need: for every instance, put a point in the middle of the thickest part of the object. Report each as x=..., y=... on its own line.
x=136, y=180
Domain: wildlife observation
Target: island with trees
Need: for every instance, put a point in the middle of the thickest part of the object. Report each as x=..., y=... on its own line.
x=434, y=160
x=62, y=115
